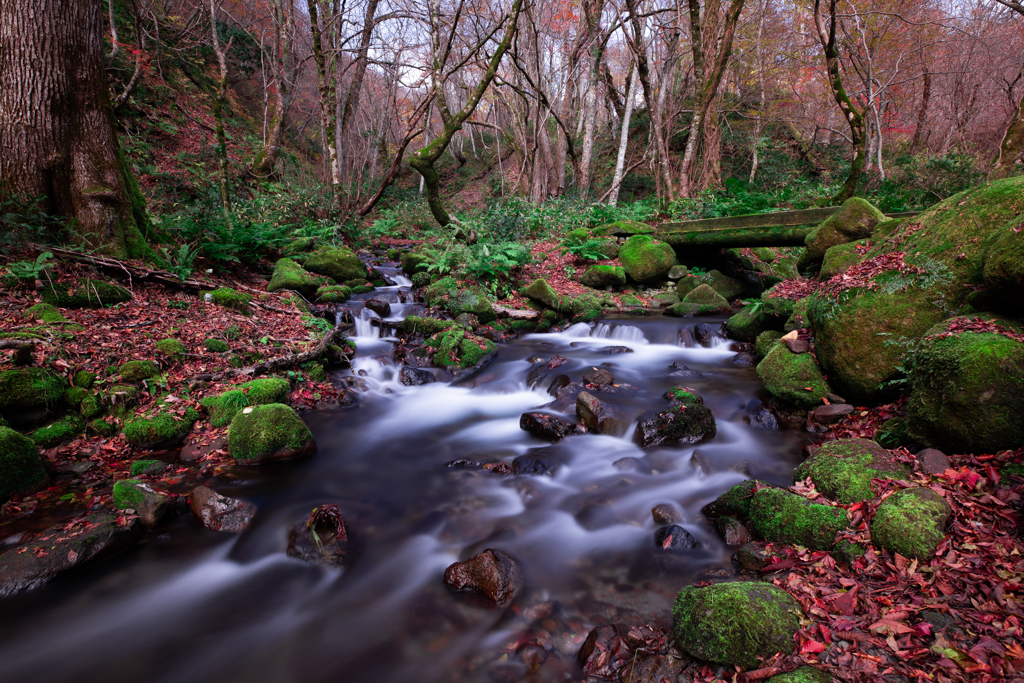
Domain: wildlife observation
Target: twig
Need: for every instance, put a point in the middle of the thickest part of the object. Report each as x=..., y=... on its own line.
x=274, y=364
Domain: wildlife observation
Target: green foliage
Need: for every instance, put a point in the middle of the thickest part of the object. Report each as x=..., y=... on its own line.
x=317, y=325
x=583, y=247
x=182, y=261
x=29, y=270
x=491, y=261
x=23, y=220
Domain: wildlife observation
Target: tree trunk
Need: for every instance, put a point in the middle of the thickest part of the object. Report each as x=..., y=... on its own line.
x=620, y=160
x=592, y=15
x=1012, y=146
x=57, y=136
x=355, y=89
x=266, y=159
x=922, y=113
x=326, y=87
x=219, y=100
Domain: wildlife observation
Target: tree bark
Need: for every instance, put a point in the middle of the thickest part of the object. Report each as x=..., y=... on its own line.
x=219, y=101
x=285, y=69
x=592, y=20
x=326, y=87
x=57, y=130
x=922, y=113
x=355, y=89
x=620, y=160
x=1012, y=146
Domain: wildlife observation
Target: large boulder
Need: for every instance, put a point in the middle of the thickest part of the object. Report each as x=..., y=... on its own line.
x=491, y=575
x=267, y=433
x=160, y=428
x=967, y=386
x=911, y=522
x=341, y=265
x=20, y=467
x=223, y=408
x=855, y=220
x=747, y=324
x=701, y=301
x=601, y=276
x=843, y=469
x=725, y=286
x=544, y=294
x=290, y=275
x=780, y=516
x=793, y=377
x=1004, y=267
x=839, y=259
x=742, y=623
x=448, y=295
x=688, y=420
x=646, y=259
x=27, y=395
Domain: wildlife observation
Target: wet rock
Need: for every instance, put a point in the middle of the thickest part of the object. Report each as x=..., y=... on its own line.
x=630, y=464
x=911, y=522
x=701, y=461
x=753, y=557
x=733, y=503
x=796, y=345
x=603, y=653
x=593, y=516
x=379, y=306
x=220, y=513
x=415, y=377
x=830, y=414
x=779, y=516
x=150, y=506
x=195, y=452
x=744, y=360
x=704, y=334
x=733, y=531
x=793, y=378
x=268, y=433
x=492, y=575
x=681, y=371
x=598, y=376
x=760, y=416
x=558, y=383
x=688, y=421
x=597, y=415
x=646, y=259
x=549, y=427
x=675, y=538
x=933, y=461
x=530, y=465
x=63, y=548
x=613, y=350
x=20, y=466
x=667, y=513
x=843, y=469
x=321, y=538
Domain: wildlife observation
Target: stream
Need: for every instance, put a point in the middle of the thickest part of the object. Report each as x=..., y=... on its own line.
x=403, y=466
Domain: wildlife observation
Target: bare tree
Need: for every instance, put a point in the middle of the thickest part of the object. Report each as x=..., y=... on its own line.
x=284, y=69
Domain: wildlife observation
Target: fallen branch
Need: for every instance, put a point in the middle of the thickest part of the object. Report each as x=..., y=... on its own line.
x=143, y=273
x=22, y=349
x=273, y=364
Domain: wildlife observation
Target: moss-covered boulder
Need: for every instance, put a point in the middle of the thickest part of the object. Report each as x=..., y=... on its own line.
x=911, y=522
x=427, y=327
x=84, y=379
x=688, y=420
x=747, y=324
x=457, y=349
x=1004, y=268
x=602, y=276
x=798, y=318
x=728, y=287
x=447, y=294
x=20, y=468
x=142, y=468
x=338, y=264
x=779, y=516
x=61, y=431
x=701, y=301
x=290, y=275
x=803, y=674
x=333, y=294
x=230, y=298
x=765, y=341
x=173, y=349
x=223, y=408
x=544, y=294
x=160, y=428
x=793, y=377
x=28, y=394
x=623, y=229
x=967, y=388
x=646, y=259
x=414, y=263
x=216, y=345
x=267, y=433
x=44, y=313
x=843, y=469
x=733, y=503
x=855, y=220
x=138, y=370
x=742, y=623
x=85, y=293
x=839, y=259
x=132, y=494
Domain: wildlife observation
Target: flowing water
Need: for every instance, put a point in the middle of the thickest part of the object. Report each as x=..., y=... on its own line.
x=195, y=605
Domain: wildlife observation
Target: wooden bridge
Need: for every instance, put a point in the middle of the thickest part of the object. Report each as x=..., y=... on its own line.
x=781, y=229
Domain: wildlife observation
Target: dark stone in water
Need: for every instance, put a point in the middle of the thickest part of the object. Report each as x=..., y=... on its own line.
x=617, y=349
x=321, y=538
x=558, y=383
x=733, y=531
x=760, y=416
x=598, y=376
x=462, y=463
x=679, y=370
x=630, y=464
x=691, y=423
x=528, y=464
x=667, y=513
x=701, y=461
x=414, y=377
x=603, y=653
x=379, y=306
x=597, y=415
x=753, y=557
x=492, y=575
x=549, y=427
x=744, y=360
x=675, y=538
x=704, y=333
x=593, y=516
x=220, y=513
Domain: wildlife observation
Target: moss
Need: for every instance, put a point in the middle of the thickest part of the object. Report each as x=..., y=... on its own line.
x=338, y=264
x=747, y=324
x=687, y=421
x=127, y=494
x=216, y=346
x=362, y=289
x=159, y=429
x=601, y=276
x=842, y=470
x=316, y=373
x=727, y=287
x=172, y=348
x=90, y=407
x=738, y=623
x=846, y=552
x=733, y=503
x=45, y=313
x=103, y=428
x=425, y=326
x=783, y=517
x=911, y=522
x=20, y=467
x=447, y=344
x=420, y=279
x=1004, y=267
x=122, y=394
x=804, y=674
x=393, y=254
x=522, y=326
x=143, y=467
x=544, y=294
x=267, y=432
x=646, y=259
x=450, y=296
x=855, y=220
x=56, y=433
x=548, y=319
x=84, y=379
x=85, y=294
x=777, y=307
x=623, y=229
x=587, y=316
x=74, y=396
x=1011, y=470
x=290, y=275
x=413, y=263
x=764, y=342
x=967, y=390
x=798, y=319
x=138, y=370
x=30, y=389
x=840, y=258
x=630, y=301
x=473, y=349
x=788, y=376
x=224, y=407
x=705, y=295
x=333, y=294
x=230, y=298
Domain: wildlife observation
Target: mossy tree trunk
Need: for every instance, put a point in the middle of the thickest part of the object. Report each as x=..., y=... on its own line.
x=424, y=159
x=327, y=88
x=1012, y=146
x=285, y=67
x=57, y=129
x=219, y=102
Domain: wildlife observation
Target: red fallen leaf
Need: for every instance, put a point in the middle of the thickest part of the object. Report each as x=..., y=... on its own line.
x=787, y=563
x=556, y=361
x=72, y=556
x=812, y=646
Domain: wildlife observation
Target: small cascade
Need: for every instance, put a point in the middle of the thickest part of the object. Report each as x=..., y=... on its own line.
x=623, y=333
x=365, y=329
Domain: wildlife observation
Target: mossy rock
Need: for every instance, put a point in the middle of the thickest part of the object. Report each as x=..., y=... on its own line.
x=1004, y=267
x=85, y=294
x=788, y=376
x=544, y=294
x=609, y=248
x=172, y=348
x=295, y=300
x=911, y=522
x=44, y=313
x=728, y=287
x=798, y=319
x=84, y=379
x=160, y=429
x=20, y=467
x=223, y=408
x=701, y=301
x=747, y=324
x=803, y=674
x=267, y=433
x=457, y=349
x=132, y=494
x=61, y=431
x=839, y=259
x=90, y=407
x=780, y=516
x=602, y=276
x=742, y=623
x=142, y=468
x=216, y=345
x=586, y=301
x=338, y=264
x=122, y=395
x=733, y=503
x=448, y=295
x=623, y=229
x=855, y=220
x=646, y=259
x=290, y=275
x=103, y=428
x=967, y=389
x=428, y=327
x=138, y=370
x=842, y=470
x=765, y=341
x=27, y=394
x=74, y=396
x=299, y=247
x=522, y=326
x=230, y=298
x=414, y=263
x=420, y=279
x=333, y=294
x=687, y=421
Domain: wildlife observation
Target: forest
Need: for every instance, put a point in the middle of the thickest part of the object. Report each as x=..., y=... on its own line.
x=651, y=341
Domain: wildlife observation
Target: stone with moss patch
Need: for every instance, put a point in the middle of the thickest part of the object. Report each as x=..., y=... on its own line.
x=61, y=431
x=793, y=377
x=224, y=407
x=290, y=275
x=267, y=433
x=911, y=522
x=425, y=326
x=230, y=298
x=132, y=494
x=846, y=552
x=122, y=395
x=780, y=516
x=414, y=263
x=138, y=370
x=142, y=468
x=803, y=674
x=747, y=324
x=765, y=341
x=701, y=301
x=1004, y=267
x=28, y=394
x=544, y=294
x=842, y=470
x=688, y=420
x=159, y=429
x=20, y=467
x=646, y=259
x=333, y=294
x=798, y=319
x=102, y=428
x=338, y=264
x=172, y=348
x=84, y=379
x=44, y=313
x=420, y=279
x=601, y=276
x=448, y=295
x=733, y=503
x=742, y=623
x=85, y=294
x=216, y=345
x=855, y=220
x=840, y=258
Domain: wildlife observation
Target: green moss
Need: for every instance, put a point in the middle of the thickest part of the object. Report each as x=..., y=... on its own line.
x=735, y=502
x=783, y=517
x=548, y=319
x=840, y=258
x=706, y=295
x=787, y=376
x=450, y=296
x=393, y=254
x=216, y=346
x=85, y=294
x=84, y=379
x=601, y=276
x=1011, y=470
x=230, y=298
x=425, y=326
x=122, y=394
x=159, y=429
x=20, y=468
x=777, y=307
x=333, y=294
x=911, y=522
x=740, y=623
x=290, y=275
x=804, y=674
x=267, y=432
x=798, y=319
x=338, y=264
x=56, y=433
x=842, y=470
x=544, y=294
x=127, y=494
x=414, y=264
x=138, y=370
x=90, y=407
x=223, y=408
x=45, y=313
x=522, y=326
x=103, y=428
x=646, y=259
x=172, y=348
x=747, y=324
x=473, y=349
x=362, y=289
x=855, y=220
x=587, y=316
x=30, y=389
x=623, y=229
x=143, y=467
x=74, y=396
x=1004, y=267
x=764, y=342
x=420, y=279
x=846, y=552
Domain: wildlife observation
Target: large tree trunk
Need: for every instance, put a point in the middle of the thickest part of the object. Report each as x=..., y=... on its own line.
x=1012, y=146
x=284, y=70
x=620, y=160
x=592, y=20
x=355, y=89
x=922, y=113
x=326, y=87
x=57, y=137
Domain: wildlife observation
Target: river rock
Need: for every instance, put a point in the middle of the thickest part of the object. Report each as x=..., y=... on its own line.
x=379, y=306
x=414, y=377
x=598, y=377
x=549, y=427
x=290, y=275
x=748, y=622
x=687, y=421
x=796, y=345
x=601, y=276
x=646, y=259
x=744, y=360
x=681, y=371
x=667, y=513
x=220, y=513
x=733, y=531
x=843, y=469
x=267, y=433
x=793, y=378
x=64, y=547
x=780, y=516
x=933, y=461
x=603, y=653
x=20, y=467
x=492, y=575
x=735, y=502
x=704, y=334
x=597, y=415
x=675, y=538
x=911, y=522
x=150, y=506
x=321, y=538
x=615, y=350
x=531, y=464
x=855, y=220
x=753, y=557
x=830, y=414
x=338, y=264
